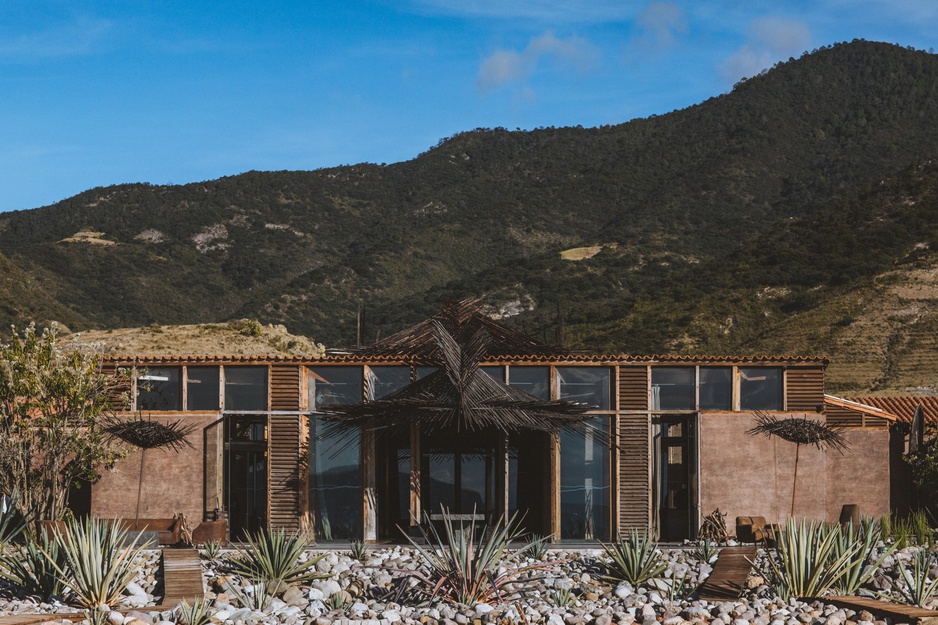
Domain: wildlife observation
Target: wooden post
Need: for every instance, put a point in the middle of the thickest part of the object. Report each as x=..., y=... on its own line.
x=501, y=476
x=369, y=492
x=415, y=476
x=555, y=487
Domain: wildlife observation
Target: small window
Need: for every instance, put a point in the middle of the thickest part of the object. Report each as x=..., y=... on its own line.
x=497, y=373
x=245, y=388
x=384, y=381
x=716, y=388
x=159, y=388
x=201, y=388
x=760, y=388
x=330, y=386
x=535, y=381
x=672, y=388
x=586, y=385
x=423, y=372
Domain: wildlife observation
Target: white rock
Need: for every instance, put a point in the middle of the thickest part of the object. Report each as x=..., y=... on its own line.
x=391, y=616
x=483, y=608
x=136, y=590
x=555, y=619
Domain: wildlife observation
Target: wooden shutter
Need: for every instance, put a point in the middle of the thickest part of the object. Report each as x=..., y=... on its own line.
x=804, y=389
x=634, y=472
x=286, y=464
x=840, y=417
x=633, y=388
x=119, y=387
x=285, y=387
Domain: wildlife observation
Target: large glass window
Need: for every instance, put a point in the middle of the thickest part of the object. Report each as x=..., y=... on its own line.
x=384, y=381
x=424, y=371
x=716, y=388
x=335, y=386
x=201, y=388
x=586, y=385
x=673, y=388
x=335, y=482
x=760, y=388
x=245, y=388
x=584, y=482
x=534, y=381
x=497, y=372
x=159, y=388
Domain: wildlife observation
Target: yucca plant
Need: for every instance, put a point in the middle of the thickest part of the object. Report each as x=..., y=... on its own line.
x=251, y=596
x=199, y=613
x=97, y=616
x=706, y=550
x=337, y=601
x=635, y=558
x=473, y=566
x=917, y=588
x=100, y=560
x=807, y=563
x=34, y=568
x=860, y=545
x=358, y=549
x=211, y=550
x=538, y=546
x=561, y=597
x=679, y=588
x=273, y=558
x=12, y=523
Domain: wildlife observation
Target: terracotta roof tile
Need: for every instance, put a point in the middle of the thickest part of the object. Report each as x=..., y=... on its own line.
x=904, y=407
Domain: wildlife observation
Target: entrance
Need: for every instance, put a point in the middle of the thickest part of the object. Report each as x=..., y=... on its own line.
x=246, y=474
x=676, y=477
x=458, y=472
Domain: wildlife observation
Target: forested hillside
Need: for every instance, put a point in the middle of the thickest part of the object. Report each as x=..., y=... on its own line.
x=717, y=228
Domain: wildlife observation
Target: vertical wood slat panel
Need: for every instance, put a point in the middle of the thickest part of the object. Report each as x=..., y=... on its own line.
x=634, y=475
x=285, y=387
x=119, y=387
x=805, y=389
x=285, y=466
x=633, y=388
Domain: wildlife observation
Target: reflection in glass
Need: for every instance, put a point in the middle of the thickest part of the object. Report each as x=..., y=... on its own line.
x=334, y=386
x=384, y=381
x=498, y=373
x=245, y=388
x=335, y=483
x=716, y=388
x=159, y=388
x=760, y=388
x=584, y=482
x=672, y=388
x=534, y=381
x=586, y=385
x=423, y=372
x=201, y=388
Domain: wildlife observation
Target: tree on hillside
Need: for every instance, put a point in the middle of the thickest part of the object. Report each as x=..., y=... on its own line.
x=53, y=409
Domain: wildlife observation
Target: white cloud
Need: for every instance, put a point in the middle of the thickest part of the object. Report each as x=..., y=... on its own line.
x=660, y=23
x=80, y=36
x=509, y=66
x=770, y=39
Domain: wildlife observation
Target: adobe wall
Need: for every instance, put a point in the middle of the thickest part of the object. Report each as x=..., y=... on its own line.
x=172, y=481
x=745, y=475
x=861, y=475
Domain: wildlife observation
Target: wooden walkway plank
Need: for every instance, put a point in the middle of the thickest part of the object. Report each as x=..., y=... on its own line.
x=182, y=577
x=898, y=612
x=729, y=575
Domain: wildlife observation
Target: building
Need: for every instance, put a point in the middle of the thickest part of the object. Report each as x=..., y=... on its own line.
x=666, y=442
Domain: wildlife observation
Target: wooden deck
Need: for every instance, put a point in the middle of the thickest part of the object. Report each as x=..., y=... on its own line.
x=897, y=612
x=729, y=575
x=182, y=577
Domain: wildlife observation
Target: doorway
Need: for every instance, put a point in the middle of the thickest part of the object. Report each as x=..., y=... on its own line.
x=676, y=477
x=458, y=474
x=245, y=474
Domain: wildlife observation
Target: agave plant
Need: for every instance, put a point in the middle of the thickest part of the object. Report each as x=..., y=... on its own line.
x=34, y=568
x=917, y=587
x=12, y=523
x=635, y=558
x=706, y=550
x=810, y=560
x=538, y=546
x=99, y=560
x=472, y=566
x=860, y=545
x=358, y=549
x=273, y=558
x=199, y=613
x=251, y=596
x=211, y=550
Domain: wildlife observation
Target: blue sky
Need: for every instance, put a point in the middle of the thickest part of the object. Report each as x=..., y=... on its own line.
x=100, y=92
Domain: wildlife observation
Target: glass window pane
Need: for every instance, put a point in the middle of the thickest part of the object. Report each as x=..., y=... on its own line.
x=496, y=372
x=534, y=381
x=672, y=388
x=335, y=483
x=245, y=388
x=384, y=381
x=586, y=385
x=584, y=483
x=159, y=388
x=760, y=388
x=335, y=386
x=716, y=388
x=201, y=388
x=423, y=372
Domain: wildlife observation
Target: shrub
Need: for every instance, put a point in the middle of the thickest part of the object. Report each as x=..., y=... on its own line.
x=809, y=560
x=917, y=587
x=199, y=613
x=538, y=546
x=860, y=547
x=635, y=559
x=706, y=550
x=273, y=558
x=212, y=550
x=34, y=568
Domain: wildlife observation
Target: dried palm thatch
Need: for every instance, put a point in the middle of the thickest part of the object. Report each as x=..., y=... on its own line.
x=147, y=434
x=803, y=431
x=460, y=396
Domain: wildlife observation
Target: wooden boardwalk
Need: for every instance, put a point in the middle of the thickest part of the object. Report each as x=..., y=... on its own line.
x=897, y=612
x=182, y=577
x=729, y=575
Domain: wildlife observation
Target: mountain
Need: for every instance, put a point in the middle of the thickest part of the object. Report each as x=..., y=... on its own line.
x=749, y=222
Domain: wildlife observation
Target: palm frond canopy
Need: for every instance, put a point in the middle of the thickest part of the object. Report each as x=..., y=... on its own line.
x=803, y=431
x=147, y=434
x=460, y=396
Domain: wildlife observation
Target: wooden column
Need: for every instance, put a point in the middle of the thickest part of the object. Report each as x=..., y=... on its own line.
x=415, y=505
x=554, y=477
x=501, y=476
x=369, y=493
